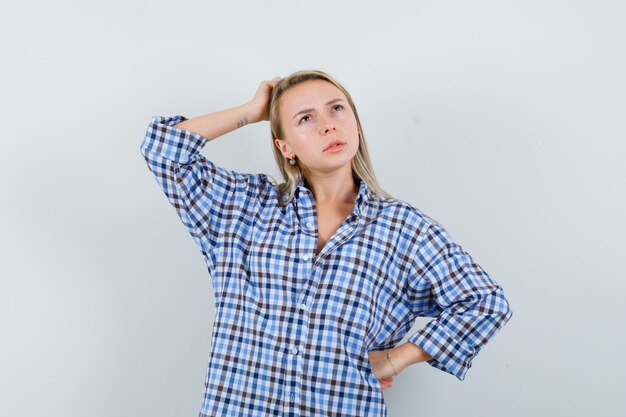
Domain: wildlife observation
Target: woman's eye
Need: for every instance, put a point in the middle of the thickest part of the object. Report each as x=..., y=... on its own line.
x=336, y=107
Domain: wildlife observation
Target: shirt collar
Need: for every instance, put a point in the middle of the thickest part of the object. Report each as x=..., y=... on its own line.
x=304, y=195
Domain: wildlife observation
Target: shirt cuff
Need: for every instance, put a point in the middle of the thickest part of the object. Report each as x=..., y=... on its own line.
x=175, y=144
x=449, y=354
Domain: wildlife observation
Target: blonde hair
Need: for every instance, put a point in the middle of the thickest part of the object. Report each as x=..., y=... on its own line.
x=292, y=174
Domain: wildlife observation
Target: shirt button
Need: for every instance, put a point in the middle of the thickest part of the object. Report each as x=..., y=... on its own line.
x=309, y=224
x=305, y=257
x=294, y=351
x=302, y=306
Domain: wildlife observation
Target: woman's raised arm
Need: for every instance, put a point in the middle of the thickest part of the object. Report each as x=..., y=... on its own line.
x=213, y=125
x=206, y=196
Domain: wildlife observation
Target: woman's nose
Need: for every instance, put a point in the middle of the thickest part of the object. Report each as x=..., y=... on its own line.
x=327, y=125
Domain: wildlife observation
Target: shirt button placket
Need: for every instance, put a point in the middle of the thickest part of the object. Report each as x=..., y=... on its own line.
x=294, y=351
x=294, y=372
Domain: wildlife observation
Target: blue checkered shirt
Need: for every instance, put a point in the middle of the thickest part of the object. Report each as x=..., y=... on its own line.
x=293, y=329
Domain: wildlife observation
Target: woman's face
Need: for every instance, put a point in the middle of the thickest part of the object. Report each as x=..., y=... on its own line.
x=313, y=114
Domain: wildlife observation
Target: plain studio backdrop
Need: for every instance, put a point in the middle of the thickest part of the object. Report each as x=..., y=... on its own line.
x=503, y=120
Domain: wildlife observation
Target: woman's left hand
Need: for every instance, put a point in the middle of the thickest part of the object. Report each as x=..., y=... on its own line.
x=382, y=368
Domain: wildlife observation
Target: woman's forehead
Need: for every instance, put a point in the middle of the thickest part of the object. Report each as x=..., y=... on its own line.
x=310, y=93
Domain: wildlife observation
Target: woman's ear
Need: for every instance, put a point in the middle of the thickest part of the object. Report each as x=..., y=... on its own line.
x=283, y=147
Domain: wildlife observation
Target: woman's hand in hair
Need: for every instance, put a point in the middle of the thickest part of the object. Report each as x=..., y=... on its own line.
x=260, y=103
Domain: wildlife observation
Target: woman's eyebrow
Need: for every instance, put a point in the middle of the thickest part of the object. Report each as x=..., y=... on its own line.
x=308, y=110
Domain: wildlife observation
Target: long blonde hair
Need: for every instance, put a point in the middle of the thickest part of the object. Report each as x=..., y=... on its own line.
x=292, y=174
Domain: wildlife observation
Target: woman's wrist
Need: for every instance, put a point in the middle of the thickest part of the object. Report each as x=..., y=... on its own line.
x=408, y=354
x=253, y=114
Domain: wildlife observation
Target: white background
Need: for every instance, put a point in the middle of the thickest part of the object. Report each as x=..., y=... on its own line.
x=503, y=120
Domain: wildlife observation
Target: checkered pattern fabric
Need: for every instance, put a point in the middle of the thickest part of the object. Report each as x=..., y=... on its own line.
x=292, y=329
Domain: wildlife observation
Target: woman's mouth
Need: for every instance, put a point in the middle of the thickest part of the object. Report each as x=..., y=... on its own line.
x=335, y=147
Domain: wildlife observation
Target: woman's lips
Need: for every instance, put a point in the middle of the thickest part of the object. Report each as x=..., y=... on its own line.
x=335, y=148
x=334, y=142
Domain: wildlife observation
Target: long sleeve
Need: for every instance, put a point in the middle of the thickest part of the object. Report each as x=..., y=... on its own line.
x=206, y=197
x=468, y=305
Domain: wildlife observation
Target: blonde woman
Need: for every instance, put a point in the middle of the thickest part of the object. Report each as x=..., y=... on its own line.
x=319, y=278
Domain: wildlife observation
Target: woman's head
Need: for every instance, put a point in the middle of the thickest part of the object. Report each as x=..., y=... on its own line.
x=309, y=117
x=308, y=110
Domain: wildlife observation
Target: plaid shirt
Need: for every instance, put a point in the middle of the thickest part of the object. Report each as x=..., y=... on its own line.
x=292, y=330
